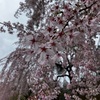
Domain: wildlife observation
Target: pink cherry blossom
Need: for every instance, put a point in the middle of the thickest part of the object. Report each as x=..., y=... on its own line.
x=62, y=47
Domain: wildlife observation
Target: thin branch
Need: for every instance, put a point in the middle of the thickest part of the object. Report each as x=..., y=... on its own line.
x=62, y=76
x=87, y=7
x=67, y=22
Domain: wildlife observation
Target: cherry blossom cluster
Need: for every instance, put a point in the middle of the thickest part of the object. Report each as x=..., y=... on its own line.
x=67, y=37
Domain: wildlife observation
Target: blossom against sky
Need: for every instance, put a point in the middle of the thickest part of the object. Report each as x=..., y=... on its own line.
x=7, y=10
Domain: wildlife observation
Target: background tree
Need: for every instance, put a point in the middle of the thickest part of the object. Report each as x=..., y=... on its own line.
x=63, y=45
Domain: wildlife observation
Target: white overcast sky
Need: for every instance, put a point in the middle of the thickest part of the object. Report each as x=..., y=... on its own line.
x=7, y=10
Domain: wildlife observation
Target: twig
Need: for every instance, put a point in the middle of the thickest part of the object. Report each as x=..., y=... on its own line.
x=87, y=7
x=62, y=76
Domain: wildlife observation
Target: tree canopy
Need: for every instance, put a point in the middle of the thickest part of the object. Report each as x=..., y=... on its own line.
x=58, y=43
